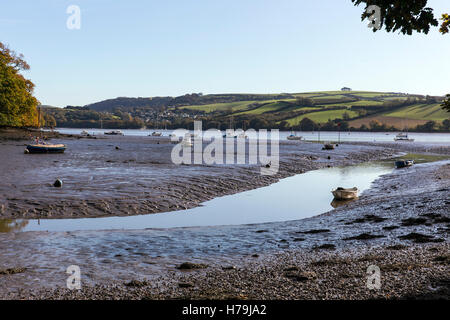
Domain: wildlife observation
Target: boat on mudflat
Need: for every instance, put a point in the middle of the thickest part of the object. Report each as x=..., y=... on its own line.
x=328, y=146
x=46, y=148
x=403, y=163
x=345, y=194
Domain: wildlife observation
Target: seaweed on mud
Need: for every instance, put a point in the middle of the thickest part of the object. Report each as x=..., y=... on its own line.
x=413, y=222
x=396, y=247
x=315, y=231
x=369, y=218
x=326, y=246
x=420, y=238
x=191, y=266
x=300, y=276
x=390, y=227
x=136, y=284
x=10, y=271
x=365, y=236
x=443, y=259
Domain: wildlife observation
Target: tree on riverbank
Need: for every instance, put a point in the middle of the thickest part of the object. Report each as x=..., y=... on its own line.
x=18, y=106
x=405, y=16
x=446, y=103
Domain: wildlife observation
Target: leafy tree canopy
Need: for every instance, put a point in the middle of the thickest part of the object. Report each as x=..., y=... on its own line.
x=18, y=107
x=446, y=103
x=405, y=15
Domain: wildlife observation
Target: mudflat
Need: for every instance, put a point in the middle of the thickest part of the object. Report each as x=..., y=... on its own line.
x=120, y=176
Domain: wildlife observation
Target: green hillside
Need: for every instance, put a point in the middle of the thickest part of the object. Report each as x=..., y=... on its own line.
x=355, y=107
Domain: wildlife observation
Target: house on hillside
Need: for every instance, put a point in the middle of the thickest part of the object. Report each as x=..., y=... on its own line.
x=346, y=89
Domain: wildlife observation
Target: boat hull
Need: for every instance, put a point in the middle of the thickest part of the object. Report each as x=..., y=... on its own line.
x=345, y=194
x=46, y=148
x=403, y=163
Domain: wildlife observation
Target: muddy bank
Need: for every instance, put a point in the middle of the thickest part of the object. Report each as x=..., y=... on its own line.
x=412, y=272
x=27, y=134
x=394, y=225
x=118, y=176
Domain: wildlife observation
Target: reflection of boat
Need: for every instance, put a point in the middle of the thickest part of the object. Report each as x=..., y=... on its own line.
x=328, y=146
x=403, y=163
x=339, y=203
x=114, y=133
x=345, y=194
x=402, y=137
x=46, y=148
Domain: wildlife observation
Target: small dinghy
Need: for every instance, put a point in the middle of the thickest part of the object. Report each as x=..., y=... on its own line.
x=328, y=146
x=46, y=148
x=345, y=194
x=403, y=163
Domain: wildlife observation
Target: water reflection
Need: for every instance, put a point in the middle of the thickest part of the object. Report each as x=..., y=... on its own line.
x=339, y=203
x=11, y=225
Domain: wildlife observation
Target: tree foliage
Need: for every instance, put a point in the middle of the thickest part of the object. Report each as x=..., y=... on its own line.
x=18, y=107
x=446, y=103
x=403, y=15
x=445, y=26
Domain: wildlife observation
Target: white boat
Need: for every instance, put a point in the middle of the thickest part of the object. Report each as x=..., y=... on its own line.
x=402, y=137
x=156, y=134
x=242, y=135
x=345, y=194
x=293, y=136
x=114, y=133
x=187, y=141
x=84, y=133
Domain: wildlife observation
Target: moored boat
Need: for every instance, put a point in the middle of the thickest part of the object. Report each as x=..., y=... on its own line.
x=294, y=137
x=328, y=146
x=114, y=133
x=46, y=148
x=403, y=137
x=156, y=134
x=403, y=163
x=345, y=194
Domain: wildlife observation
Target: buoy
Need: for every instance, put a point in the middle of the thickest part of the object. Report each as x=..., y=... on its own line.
x=58, y=183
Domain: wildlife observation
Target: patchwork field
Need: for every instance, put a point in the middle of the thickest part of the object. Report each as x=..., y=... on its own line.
x=421, y=112
x=392, y=109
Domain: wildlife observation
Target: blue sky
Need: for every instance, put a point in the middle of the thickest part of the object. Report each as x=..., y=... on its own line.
x=143, y=48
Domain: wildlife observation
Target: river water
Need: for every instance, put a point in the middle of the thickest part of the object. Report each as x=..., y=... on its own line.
x=307, y=135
